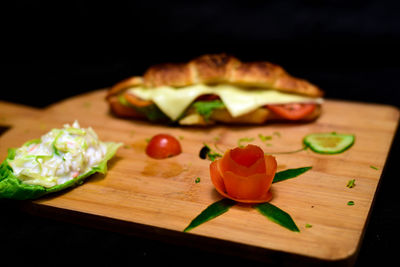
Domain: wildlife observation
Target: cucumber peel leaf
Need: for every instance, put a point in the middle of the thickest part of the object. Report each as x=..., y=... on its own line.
x=277, y=215
x=289, y=173
x=214, y=210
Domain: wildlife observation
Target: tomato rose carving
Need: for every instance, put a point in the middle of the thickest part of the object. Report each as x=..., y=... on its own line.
x=244, y=174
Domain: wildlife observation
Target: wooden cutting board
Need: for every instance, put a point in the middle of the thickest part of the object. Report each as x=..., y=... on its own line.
x=161, y=197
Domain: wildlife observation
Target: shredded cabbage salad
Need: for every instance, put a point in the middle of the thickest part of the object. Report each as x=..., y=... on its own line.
x=58, y=156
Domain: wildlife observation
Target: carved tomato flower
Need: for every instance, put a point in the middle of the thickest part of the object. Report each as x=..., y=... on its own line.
x=244, y=174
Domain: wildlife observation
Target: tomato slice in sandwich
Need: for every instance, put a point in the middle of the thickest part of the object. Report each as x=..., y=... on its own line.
x=294, y=111
x=136, y=101
x=207, y=97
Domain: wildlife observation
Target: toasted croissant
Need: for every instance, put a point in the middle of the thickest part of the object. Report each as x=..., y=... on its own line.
x=217, y=69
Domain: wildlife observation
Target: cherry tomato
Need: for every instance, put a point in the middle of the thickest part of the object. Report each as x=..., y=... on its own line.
x=163, y=146
x=293, y=111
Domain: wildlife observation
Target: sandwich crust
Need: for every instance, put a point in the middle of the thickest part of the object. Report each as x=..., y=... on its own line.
x=124, y=84
x=220, y=68
x=223, y=68
x=215, y=68
x=256, y=74
x=168, y=74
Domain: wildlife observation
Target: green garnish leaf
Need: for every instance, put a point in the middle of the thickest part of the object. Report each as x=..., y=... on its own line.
x=308, y=225
x=244, y=140
x=212, y=211
x=350, y=203
x=277, y=215
x=289, y=173
x=205, y=108
x=351, y=183
x=373, y=167
x=197, y=180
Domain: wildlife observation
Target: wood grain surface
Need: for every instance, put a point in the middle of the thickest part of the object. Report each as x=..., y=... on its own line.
x=163, y=194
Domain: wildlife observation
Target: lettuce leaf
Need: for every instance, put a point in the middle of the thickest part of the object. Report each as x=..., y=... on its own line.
x=205, y=108
x=13, y=188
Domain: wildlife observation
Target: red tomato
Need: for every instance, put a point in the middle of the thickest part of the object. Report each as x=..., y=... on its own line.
x=293, y=111
x=163, y=146
x=244, y=174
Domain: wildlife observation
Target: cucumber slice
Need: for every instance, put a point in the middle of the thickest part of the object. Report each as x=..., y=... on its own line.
x=329, y=143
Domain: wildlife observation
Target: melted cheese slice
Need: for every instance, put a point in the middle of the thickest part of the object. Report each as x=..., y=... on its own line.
x=174, y=101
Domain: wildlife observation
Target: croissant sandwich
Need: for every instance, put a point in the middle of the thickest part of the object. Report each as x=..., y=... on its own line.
x=216, y=88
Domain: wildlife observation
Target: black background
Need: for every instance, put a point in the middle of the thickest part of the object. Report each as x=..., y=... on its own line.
x=52, y=50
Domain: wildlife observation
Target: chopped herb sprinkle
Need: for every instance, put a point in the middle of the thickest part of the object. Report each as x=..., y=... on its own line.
x=264, y=138
x=197, y=180
x=308, y=225
x=351, y=183
x=277, y=134
x=350, y=203
x=373, y=167
x=244, y=140
x=87, y=104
